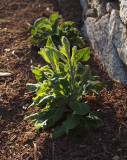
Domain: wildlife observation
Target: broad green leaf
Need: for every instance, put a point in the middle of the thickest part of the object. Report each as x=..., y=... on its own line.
x=43, y=119
x=93, y=85
x=45, y=68
x=37, y=99
x=44, y=89
x=76, y=31
x=46, y=28
x=64, y=86
x=41, y=22
x=97, y=114
x=80, y=108
x=71, y=122
x=50, y=117
x=65, y=48
x=85, y=75
x=56, y=60
x=31, y=39
x=42, y=100
x=40, y=72
x=50, y=43
x=92, y=123
x=59, y=54
x=82, y=68
x=58, y=132
x=61, y=66
x=54, y=19
x=33, y=87
x=33, y=31
x=77, y=41
x=82, y=54
x=66, y=26
x=74, y=52
x=98, y=86
x=45, y=124
x=48, y=57
x=40, y=116
x=66, y=68
x=58, y=114
x=44, y=54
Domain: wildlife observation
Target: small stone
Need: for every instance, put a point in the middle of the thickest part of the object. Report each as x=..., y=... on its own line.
x=26, y=145
x=47, y=9
x=115, y=158
x=7, y=50
x=4, y=74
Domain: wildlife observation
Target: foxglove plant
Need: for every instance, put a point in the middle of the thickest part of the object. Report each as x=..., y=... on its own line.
x=61, y=86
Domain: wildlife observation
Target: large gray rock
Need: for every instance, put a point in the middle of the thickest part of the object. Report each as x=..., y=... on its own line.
x=118, y=32
x=99, y=5
x=123, y=11
x=108, y=37
x=103, y=38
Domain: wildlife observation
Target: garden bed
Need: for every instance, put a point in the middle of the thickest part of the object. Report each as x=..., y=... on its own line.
x=18, y=139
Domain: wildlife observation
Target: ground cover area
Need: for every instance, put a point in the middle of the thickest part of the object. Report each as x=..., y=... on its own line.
x=18, y=139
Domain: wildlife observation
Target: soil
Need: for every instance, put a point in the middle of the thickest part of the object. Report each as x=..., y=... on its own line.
x=18, y=139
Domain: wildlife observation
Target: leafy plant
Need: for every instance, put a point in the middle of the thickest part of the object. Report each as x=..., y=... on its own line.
x=62, y=85
x=44, y=27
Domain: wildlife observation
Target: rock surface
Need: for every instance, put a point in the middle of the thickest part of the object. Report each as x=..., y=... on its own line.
x=123, y=11
x=108, y=37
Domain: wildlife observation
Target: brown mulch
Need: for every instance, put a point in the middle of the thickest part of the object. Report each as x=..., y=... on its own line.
x=18, y=139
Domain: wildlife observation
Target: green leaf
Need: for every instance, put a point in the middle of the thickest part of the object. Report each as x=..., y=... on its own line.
x=42, y=100
x=80, y=108
x=40, y=116
x=59, y=54
x=97, y=114
x=33, y=87
x=31, y=39
x=77, y=41
x=40, y=72
x=54, y=19
x=50, y=43
x=82, y=54
x=66, y=26
x=74, y=52
x=93, y=123
x=66, y=67
x=48, y=57
x=43, y=119
x=45, y=55
x=45, y=124
x=93, y=86
x=39, y=23
x=76, y=31
x=61, y=66
x=71, y=122
x=46, y=29
x=33, y=31
x=58, y=132
x=65, y=49
x=45, y=89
